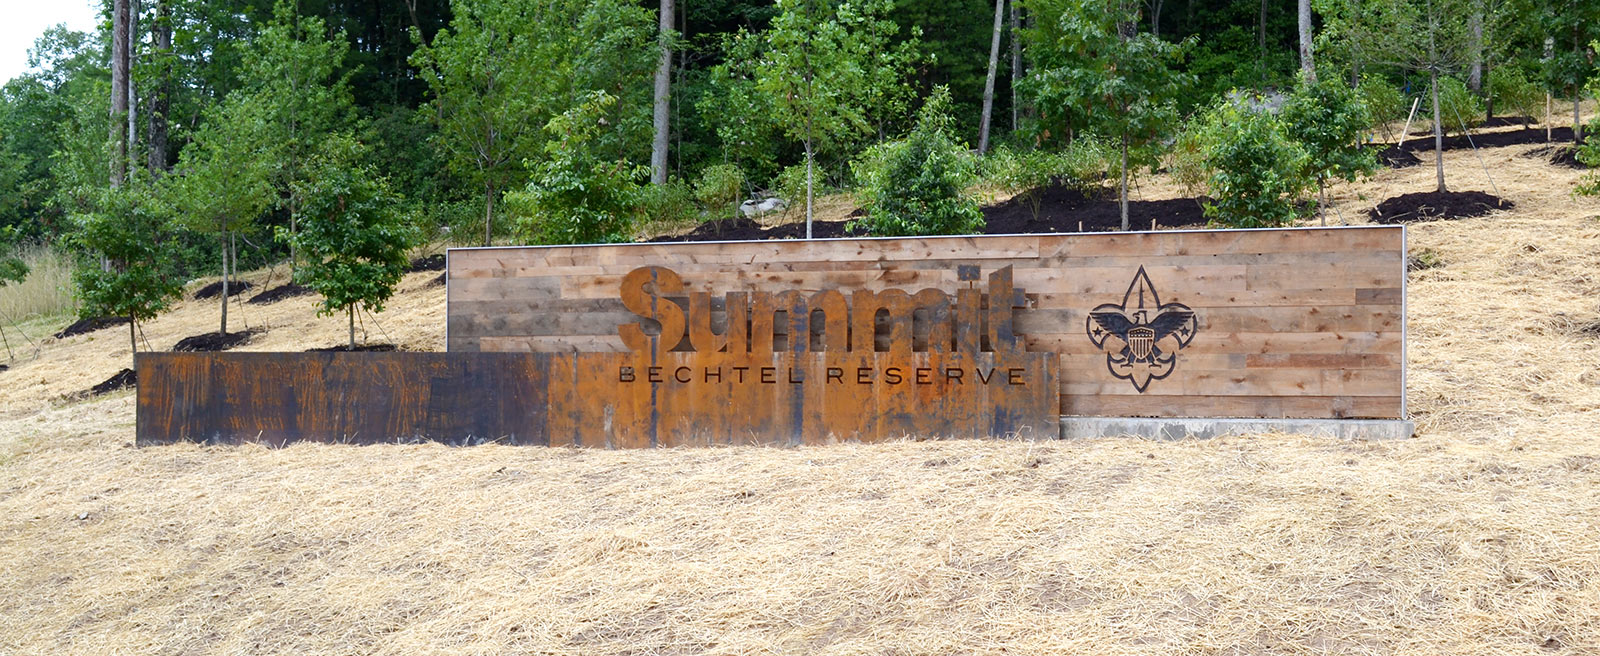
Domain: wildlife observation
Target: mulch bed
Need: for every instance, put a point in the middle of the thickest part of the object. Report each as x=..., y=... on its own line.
x=4, y=367
x=436, y=282
x=433, y=262
x=211, y=342
x=1558, y=155
x=279, y=293
x=214, y=290
x=1432, y=206
x=345, y=348
x=1490, y=139
x=1062, y=209
x=122, y=380
x=1396, y=158
x=90, y=325
x=1507, y=121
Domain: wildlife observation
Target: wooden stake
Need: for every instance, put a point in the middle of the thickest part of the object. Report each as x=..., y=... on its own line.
x=1406, y=133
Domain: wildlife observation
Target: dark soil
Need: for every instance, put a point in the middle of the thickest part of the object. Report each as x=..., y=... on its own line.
x=1064, y=209
x=1431, y=206
x=359, y=347
x=1558, y=155
x=209, y=342
x=1506, y=121
x=124, y=379
x=1490, y=139
x=1061, y=209
x=90, y=325
x=1395, y=158
x=214, y=290
x=433, y=262
x=4, y=367
x=436, y=282
x=279, y=293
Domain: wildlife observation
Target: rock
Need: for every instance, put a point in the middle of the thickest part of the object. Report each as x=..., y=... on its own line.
x=754, y=208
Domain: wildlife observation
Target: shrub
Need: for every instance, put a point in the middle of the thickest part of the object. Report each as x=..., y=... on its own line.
x=1458, y=106
x=1186, y=163
x=790, y=185
x=1258, y=174
x=1510, y=87
x=719, y=189
x=1081, y=166
x=919, y=186
x=669, y=205
x=1383, y=101
x=577, y=196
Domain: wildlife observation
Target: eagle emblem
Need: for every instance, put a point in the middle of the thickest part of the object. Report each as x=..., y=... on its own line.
x=1141, y=337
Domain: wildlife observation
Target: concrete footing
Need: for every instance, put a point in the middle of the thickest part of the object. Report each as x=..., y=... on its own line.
x=1203, y=428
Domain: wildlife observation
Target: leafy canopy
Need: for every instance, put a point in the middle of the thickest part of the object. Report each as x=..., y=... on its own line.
x=352, y=237
x=130, y=228
x=1258, y=173
x=1327, y=119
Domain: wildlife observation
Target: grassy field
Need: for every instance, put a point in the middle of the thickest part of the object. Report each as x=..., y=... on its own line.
x=1479, y=536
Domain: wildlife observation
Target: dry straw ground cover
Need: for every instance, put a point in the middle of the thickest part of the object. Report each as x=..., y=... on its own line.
x=1480, y=536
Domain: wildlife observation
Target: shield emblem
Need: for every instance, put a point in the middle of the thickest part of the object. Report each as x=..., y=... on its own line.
x=1140, y=341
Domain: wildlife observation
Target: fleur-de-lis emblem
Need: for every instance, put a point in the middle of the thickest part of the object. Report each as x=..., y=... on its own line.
x=1141, y=337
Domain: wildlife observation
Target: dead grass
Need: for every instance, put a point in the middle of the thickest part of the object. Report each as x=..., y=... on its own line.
x=1480, y=536
x=47, y=291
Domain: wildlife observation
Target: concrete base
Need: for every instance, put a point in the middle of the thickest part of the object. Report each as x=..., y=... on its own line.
x=1202, y=428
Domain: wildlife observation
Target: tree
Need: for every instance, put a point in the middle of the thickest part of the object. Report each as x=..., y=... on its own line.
x=918, y=186
x=506, y=67
x=297, y=98
x=1429, y=36
x=663, y=97
x=1091, y=58
x=578, y=194
x=129, y=230
x=224, y=178
x=353, y=239
x=1327, y=118
x=827, y=69
x=1570, y=27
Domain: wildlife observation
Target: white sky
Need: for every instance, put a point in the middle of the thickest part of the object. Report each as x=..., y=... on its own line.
x=25, y=20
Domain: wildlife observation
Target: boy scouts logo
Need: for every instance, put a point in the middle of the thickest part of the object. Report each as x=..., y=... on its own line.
x=1141, y=337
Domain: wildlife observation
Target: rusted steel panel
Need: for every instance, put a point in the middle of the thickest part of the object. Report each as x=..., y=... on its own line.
x=365, y=398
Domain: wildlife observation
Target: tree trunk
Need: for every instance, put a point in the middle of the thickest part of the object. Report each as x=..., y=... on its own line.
x=1261, y=41
x=808, y=179
x=1438, y=134
x=1124, y=185
x=133, y=89
x=352, y=310
x=160, y=100
x=1016, y=61
x=488, y=213
x=1155, y=17
x=988, y=83
x=133, y=342
x=224, y=328
x=658, y=148
x=1475, y=48
x=1307, y=65
x=1577, y=115
x=119, y=90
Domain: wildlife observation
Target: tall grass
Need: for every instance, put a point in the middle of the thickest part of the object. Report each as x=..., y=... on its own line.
x=48, y=290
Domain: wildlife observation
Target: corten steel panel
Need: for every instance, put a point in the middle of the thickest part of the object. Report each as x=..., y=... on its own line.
x=364, y=398
x=1305, y=322
x=617, y=400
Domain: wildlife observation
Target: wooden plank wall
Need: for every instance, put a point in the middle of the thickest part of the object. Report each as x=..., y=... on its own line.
x=1305, y=322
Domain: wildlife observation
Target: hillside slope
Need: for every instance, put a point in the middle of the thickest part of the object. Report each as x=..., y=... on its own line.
x=1480, y=536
